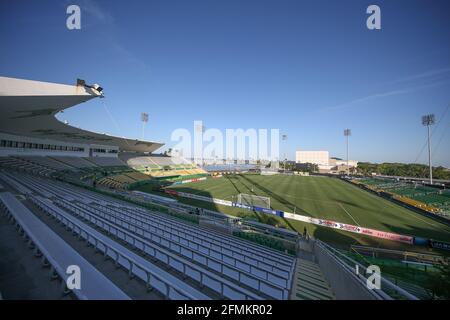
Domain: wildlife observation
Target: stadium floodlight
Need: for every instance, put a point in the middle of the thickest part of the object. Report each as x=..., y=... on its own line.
x=347, y=133
x=144, y=119
x=428, y=120
x=284, y=137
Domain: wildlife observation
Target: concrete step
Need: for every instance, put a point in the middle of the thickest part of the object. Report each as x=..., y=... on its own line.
x=311, y=276
x=311, y=270
x=317, y=289
x=320, y=284
x=309, y=282
x=305, y=294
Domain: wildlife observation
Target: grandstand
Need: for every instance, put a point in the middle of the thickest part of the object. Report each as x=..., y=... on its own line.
x=161, y=166
x=433, y=199
x=76, y=162
x=106, y=162
x=226, y=266
x=36, y=141
x=217, y=263
x=61, y=184
x=33, y=140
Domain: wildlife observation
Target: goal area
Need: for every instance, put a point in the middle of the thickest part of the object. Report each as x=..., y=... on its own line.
x=253, y=200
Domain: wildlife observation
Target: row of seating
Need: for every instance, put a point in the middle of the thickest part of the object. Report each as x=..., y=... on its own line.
x=121, y=181
x=184, y=244
x=146, y=243
x=106, y=161
x=71, y=193
x=223, y=287
x=233, y=268
x=151, y=163
x=19, y=164
x=154, y=277
x=47, y=162
x=103, y=205
x=76, y=162
x=58, y=254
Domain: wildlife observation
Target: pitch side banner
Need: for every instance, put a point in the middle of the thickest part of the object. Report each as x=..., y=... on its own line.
x=201, y=198
x=440, y=245
x=189, y=181
x=269, y=211
x=351, y=228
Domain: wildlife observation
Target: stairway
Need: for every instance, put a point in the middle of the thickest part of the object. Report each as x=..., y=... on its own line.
x=309, y=283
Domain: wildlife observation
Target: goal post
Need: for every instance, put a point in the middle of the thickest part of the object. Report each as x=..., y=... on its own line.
x=253, y=200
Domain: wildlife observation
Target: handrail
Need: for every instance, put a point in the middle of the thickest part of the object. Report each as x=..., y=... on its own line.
x=349, y=264
x=419, y=255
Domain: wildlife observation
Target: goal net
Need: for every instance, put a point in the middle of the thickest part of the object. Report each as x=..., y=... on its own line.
x=252, y=200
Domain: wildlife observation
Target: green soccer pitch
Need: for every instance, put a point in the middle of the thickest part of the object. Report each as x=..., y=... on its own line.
x=321, y=197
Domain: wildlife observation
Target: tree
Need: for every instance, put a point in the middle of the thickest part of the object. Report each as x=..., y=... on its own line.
x=307, y=167
x=402, y=169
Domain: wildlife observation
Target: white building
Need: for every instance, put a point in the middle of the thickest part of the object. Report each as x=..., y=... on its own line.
x=316, y=157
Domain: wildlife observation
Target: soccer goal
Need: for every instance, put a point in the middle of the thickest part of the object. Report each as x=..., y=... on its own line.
x=252, y=200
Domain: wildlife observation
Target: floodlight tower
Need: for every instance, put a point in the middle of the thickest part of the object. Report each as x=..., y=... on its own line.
x=428, y=120
x=144, y=119
x=347, y=133
x=284, y=137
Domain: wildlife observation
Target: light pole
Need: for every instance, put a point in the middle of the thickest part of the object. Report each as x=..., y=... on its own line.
x=347, y=133
x=428, y=120
x=144, y=119
x=284, y=138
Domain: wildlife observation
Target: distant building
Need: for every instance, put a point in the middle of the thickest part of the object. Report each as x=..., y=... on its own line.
x=323, y=161
x=320, y=158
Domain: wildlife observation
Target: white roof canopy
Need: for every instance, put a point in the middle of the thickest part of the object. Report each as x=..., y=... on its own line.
x=28, y=108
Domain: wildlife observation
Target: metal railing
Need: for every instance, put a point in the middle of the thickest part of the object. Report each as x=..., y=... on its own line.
x=356, y=271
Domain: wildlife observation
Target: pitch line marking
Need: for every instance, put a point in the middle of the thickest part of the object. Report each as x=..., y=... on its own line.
x=349, y=214
x=330, y=203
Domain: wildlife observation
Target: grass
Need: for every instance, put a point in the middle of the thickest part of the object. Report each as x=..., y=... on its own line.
x=320, y=197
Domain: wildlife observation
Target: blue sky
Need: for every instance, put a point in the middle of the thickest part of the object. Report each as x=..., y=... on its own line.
x=309, y=68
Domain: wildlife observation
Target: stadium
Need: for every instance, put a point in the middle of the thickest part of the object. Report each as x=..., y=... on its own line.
x=142, y=225
x=224, y=158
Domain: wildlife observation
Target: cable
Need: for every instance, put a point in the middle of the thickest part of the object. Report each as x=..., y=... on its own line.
x=113, y=121
x=432, y=133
